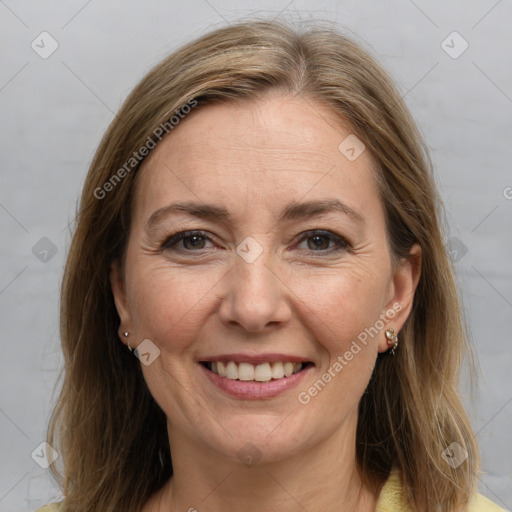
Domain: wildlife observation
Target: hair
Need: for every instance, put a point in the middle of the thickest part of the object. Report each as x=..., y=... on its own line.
x=110, y=432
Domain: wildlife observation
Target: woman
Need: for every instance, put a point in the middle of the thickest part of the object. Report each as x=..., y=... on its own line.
x=261, y=224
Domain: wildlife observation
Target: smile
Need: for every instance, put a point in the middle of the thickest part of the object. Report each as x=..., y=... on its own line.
x=264, y=372
x=255, y=377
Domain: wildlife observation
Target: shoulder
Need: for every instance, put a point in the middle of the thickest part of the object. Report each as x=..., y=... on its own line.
x=390, y=498
x=482, y=504
x=52, y=507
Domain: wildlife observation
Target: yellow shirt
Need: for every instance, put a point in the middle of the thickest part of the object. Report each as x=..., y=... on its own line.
x=390, y=499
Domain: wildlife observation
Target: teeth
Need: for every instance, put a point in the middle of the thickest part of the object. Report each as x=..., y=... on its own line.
x=263, y=373
x=245, y=371
x=288, y=369
x=232, y=370
x=277, y=370
x=259, y=373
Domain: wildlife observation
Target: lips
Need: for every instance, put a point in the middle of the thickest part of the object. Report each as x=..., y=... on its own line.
x=256, y=376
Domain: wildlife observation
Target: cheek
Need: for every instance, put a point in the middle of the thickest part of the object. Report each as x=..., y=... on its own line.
x=343, y=320
x=340, y=304
x=169, y=304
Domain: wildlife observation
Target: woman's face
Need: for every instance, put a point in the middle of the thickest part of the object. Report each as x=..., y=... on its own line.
x=284, y=267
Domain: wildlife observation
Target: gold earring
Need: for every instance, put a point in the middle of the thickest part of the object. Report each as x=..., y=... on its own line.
x=126, y=334
x=392, y=340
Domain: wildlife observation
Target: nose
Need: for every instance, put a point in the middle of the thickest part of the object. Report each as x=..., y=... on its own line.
x=255, y=297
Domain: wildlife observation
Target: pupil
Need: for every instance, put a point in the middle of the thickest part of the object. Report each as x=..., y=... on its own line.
x=193, y=241
x=319, y=241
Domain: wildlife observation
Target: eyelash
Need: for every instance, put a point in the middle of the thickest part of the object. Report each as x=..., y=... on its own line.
x=343, y=245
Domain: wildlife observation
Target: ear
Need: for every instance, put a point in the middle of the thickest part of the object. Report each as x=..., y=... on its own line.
x=119, y=292
x=401, y=296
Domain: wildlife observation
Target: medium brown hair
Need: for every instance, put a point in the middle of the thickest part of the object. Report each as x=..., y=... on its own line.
x=110, y=432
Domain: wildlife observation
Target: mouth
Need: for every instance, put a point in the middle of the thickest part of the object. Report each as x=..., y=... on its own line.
x=257, y=377
x=263, y=372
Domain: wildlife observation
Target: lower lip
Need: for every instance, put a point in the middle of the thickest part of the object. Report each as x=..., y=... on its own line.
x=252, y=390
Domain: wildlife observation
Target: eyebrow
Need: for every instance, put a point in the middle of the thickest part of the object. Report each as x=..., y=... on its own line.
x=293, y=211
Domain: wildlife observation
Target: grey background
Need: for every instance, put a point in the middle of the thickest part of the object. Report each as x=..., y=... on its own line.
x=55, y=110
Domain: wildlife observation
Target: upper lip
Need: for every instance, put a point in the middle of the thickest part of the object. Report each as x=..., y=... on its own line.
x=255, y=358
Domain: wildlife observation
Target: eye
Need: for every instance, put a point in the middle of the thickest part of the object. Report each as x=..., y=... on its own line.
x=318, y=240
x=190, y=241
x=323, y=241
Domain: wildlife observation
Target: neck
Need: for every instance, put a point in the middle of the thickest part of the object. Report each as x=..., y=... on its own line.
x=322, y=477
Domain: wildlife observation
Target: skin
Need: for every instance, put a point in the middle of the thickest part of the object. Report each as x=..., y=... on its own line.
x=255, y=158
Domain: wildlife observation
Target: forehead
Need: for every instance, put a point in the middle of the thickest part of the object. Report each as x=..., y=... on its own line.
x=263, y=153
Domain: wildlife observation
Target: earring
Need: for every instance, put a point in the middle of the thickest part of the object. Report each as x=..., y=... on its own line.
x=392, y=340
x=126, y=334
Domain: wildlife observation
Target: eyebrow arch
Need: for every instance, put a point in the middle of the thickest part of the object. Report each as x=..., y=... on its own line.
x=293, y=211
